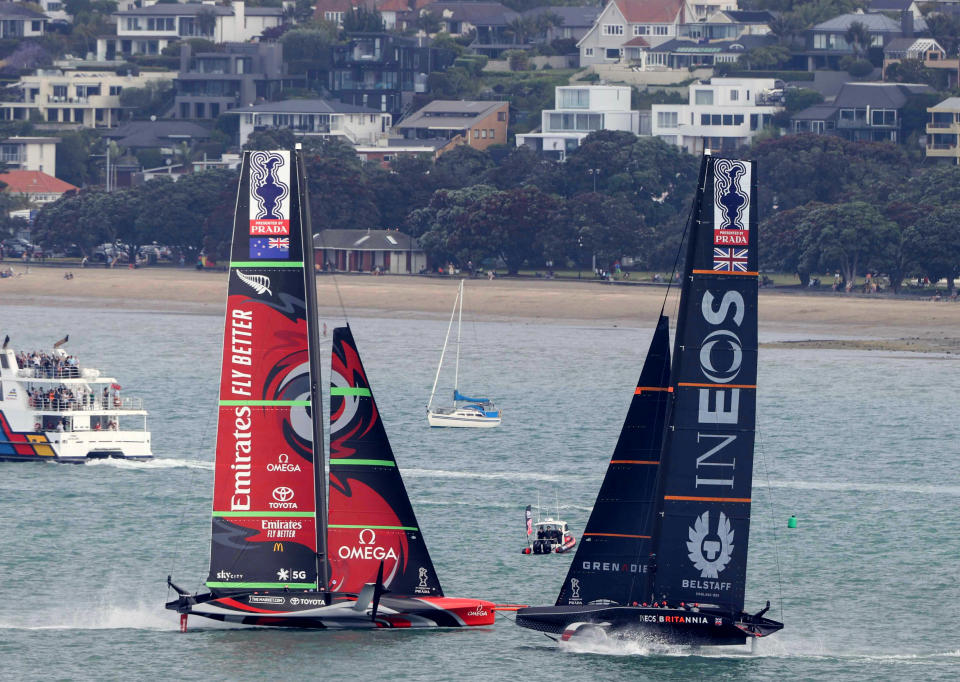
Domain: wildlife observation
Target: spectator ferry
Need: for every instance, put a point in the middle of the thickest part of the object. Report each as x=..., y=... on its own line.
x=52, y=409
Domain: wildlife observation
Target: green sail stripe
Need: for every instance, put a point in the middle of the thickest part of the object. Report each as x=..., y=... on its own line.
x=267, y=264
x=364, y=462
x=266, y=403
x=349, y=390
x=265, y=586
x=337, y=525
x=245, y=514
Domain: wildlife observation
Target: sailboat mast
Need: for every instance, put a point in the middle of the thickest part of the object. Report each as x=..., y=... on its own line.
x=456, y=371
x=316, y=395
x=446, y=339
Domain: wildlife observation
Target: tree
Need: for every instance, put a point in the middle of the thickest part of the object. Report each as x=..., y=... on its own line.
x=154, y=99
x=73, y=156
x=206, y=21
x=514, y=219
x=271, y=138
x=937, y=246
x=363, y=20
x=605, y=226
x=448, y=227
x=858, y=37
x=460, y=167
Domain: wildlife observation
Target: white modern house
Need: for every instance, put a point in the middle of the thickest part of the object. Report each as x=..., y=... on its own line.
x=17, y=21
x=148, y=30
x=722, y=114
x=317, y=117
x=581, y=110
x=30, y=153
x=90, y=99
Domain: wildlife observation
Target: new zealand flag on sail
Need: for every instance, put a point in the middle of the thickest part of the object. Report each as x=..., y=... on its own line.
x=270, y=248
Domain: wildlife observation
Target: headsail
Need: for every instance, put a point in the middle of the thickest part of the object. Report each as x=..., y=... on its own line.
x=708, y=450
x=610, y=565
x=264, y=503
x=371, y=519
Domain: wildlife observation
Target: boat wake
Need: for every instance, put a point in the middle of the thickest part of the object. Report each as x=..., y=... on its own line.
x=156, y=463
x=853, y=487
x=137, y=616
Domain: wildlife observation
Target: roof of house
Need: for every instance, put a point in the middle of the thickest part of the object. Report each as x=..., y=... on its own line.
x=304, y=106
x=741, y=44
x=639, y=41
x=16, y=10
x=365, y=240
x=878, y=95
x=476, y=13
x=949, y=104
x=911, y=45
x=749, y=16
x=572, y=16
x=264, y=11
x=873, y=22
x=818, y=112
x=890, y=5
x=141, y=134
x=176, y=10
x=450, y=114
x=652, y=11
x=34, y=182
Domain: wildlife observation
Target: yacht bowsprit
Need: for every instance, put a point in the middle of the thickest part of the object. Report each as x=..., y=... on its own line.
x=54, y=410
x=276, y=557
x=665, y=549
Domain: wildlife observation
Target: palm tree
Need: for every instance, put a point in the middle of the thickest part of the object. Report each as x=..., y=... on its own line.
x=859, y=38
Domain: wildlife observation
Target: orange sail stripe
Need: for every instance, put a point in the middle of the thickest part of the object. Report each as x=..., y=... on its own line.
x=706, y=499
x=641, y=389
x=725, y=272
x=752, y=386
x=617, y=535
x=634, y=461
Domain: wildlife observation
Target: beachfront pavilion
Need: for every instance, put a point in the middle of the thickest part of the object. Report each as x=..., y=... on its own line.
x=392, y=251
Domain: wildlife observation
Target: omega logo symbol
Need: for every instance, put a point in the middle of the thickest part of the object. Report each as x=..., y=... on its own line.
x=367, y=537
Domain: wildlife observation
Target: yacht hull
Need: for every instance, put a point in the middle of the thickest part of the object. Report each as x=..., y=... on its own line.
x=669, y=626
x=462, y=419
x=315, y=610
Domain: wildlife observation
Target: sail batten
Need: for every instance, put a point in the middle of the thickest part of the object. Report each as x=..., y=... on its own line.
x=265, y=516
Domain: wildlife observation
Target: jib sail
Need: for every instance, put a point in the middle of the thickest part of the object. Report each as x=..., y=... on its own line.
x=264, y=509
x=708, y=450
x=611, y=564
x=370, y=517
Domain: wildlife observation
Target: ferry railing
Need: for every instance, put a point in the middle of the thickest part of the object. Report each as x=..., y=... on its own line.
x=85, y=404
x=66, y=372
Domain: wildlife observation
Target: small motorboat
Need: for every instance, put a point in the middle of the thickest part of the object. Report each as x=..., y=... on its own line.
x=547, y=536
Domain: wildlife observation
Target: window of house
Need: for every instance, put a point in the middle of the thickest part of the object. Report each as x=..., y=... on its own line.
x=588, y=52
x=60, y=91
x=501, y=116
x=728, y=119
x=734, y=95
x=754, y=121
x=35, y=26
x=661, y=30
x=641, y=30
x=703, y=96
x=115, y=90
x=476, y=133
x=490, y=133
x=483, y=133
x=667, y=119
x=820, y=41
x=613, y=29
x=613, y=53
x=574, y=98
x=738, y=119
x=716, y=119
x=883, y=117
x=704, y=119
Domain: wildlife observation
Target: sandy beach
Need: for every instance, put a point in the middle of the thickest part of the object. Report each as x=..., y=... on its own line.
x=798, y=319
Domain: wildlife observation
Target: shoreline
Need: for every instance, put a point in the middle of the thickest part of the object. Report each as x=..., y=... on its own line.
x=817, y=320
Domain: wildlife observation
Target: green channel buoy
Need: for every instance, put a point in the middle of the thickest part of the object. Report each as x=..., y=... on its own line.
x=792, y=522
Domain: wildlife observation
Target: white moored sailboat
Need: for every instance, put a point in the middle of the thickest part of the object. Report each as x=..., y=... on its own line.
x=466, y=411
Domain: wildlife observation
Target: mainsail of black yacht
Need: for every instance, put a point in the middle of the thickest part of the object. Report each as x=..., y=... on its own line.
x=665, y=549
x=275, y=560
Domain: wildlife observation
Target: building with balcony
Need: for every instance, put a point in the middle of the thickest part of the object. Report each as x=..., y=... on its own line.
x=723, y=114
x=579, y=111
x=637, y=23
x=88, y=99
x=19, y=21
x=383, y=71
x=861, y=112
x=319, y=117
x=476, y=124
x=927, y=51
x=242, y=74
x=30, y=153
x=826, y=43
x=148, y=30
x=943, y=130
x=728, y=25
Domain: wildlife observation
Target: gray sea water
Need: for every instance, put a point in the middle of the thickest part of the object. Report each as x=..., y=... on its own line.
x=861, y=446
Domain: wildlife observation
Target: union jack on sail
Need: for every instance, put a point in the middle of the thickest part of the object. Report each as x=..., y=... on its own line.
x=730, y=260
